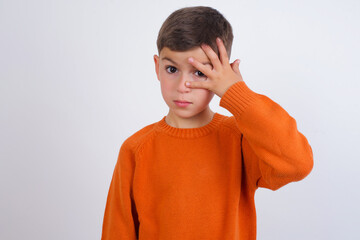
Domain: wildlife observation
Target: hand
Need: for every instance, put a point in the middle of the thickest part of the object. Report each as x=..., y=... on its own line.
x=222, y=76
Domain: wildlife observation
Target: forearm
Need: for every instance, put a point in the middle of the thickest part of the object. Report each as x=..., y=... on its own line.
x=282, y=152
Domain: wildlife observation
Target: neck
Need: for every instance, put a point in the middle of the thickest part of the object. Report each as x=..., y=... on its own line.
x=201, y=119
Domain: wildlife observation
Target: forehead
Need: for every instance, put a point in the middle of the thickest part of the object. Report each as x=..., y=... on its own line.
x=180, y=58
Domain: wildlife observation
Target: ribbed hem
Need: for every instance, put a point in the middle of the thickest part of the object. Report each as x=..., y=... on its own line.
x=237, y=98
x=162, y=126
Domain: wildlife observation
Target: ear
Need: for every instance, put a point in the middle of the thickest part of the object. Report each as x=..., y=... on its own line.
x=156, y=61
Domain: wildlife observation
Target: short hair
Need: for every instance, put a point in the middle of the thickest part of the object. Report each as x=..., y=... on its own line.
x=189, y=27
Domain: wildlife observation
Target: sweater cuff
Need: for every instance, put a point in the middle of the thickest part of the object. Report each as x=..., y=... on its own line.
x=238, y=97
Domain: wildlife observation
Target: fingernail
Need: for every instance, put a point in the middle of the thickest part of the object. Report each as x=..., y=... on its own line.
x=187, y=84
x=191, y=59
x=218, y=39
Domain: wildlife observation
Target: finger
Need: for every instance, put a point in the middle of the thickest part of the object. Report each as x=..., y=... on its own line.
x=215, y=61
x=198, y=85
x=235, y=66
x=223, y=54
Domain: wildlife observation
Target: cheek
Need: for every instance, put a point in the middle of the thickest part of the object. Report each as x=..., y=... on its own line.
x=167, y=89
x=203, y=94
x=167, y=83
x=167, y=86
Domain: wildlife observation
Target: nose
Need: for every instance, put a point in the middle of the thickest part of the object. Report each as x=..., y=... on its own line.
x=181, y=88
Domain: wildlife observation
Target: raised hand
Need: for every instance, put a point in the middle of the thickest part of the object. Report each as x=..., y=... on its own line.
x=222, y=76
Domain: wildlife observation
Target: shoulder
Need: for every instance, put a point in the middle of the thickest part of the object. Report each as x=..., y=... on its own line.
x=135, y=141
x=229, y=124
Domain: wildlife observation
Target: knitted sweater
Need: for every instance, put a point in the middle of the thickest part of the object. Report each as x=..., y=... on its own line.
x=199, y=183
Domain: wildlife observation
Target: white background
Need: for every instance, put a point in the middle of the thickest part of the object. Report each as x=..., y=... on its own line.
x=77, y=78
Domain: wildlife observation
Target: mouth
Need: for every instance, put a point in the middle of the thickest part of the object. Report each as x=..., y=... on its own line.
x=181, y=101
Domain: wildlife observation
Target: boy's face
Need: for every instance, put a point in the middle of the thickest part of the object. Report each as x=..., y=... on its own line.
x=172, y=70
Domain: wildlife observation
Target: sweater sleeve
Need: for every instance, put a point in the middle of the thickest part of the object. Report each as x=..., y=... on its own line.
x=275, y=153
x=120, y=217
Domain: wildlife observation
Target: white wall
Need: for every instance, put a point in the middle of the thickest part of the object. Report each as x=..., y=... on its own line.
x=77, y=78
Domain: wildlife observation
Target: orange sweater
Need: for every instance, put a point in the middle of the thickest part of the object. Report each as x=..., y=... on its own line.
x=199, y=183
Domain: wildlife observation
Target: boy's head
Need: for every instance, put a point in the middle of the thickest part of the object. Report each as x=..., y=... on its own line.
x=180, y=37
x=189, y=27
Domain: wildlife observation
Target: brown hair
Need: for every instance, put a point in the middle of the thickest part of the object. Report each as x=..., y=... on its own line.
x=189, y=27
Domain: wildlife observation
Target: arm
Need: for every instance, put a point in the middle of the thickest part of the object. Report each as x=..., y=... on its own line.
x=274, y=150
x=120, y=217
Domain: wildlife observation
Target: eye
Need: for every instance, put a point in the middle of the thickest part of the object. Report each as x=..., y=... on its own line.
x=171, y=68
x=201, y=74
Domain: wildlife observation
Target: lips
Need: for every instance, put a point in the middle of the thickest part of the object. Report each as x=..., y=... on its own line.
x=182, y=101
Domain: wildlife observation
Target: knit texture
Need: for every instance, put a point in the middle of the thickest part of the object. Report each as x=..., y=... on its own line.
x=199, y=183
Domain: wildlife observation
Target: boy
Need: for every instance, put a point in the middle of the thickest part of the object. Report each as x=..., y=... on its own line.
x=193, y=174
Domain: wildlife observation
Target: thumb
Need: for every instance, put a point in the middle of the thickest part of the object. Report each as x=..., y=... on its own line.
x=235, y=65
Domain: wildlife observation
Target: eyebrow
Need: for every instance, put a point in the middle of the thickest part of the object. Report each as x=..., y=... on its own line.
x=166, y=58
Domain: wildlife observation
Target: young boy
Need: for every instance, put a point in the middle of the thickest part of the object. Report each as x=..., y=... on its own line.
x=194, y=173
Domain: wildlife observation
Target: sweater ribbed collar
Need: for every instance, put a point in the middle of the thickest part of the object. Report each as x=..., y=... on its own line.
x=164, y=127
